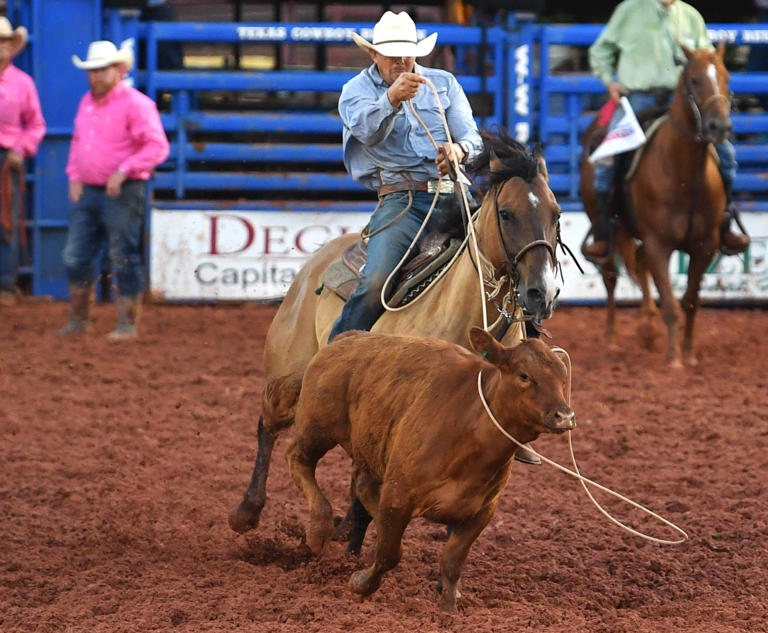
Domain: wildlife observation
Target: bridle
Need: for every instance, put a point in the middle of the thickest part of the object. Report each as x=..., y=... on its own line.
x=512, y=262
x=700, y=136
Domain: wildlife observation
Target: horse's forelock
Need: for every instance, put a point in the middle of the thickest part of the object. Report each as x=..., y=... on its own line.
x=515, y=158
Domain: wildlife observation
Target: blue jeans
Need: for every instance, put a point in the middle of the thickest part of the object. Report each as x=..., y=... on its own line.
x=385, y=250
x=605, y=169
x=96, y=217
x=9, y=240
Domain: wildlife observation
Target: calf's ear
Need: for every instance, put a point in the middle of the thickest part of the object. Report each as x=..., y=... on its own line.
x=483, y=343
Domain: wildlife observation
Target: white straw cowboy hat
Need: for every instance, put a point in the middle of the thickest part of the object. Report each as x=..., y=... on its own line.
x=103, y=53
x=18, y=35
x=395, y=36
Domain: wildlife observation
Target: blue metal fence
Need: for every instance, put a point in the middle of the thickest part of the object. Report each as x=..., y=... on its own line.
x=563, y=112
x=214, y=151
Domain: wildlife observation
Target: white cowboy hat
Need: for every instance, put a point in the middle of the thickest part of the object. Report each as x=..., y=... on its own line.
x=395, y=36
x=18, y=35
x=103, y=53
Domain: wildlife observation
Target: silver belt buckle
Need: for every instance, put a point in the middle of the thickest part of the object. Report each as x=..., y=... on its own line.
x=444, y=186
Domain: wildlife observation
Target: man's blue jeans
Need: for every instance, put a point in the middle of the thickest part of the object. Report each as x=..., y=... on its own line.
x=96, y=217
x=9, y=239
x=606, y=168
x=385, y=250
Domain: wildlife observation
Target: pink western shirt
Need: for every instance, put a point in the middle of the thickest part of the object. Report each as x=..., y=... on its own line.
x=122, y=130
x=22, y=126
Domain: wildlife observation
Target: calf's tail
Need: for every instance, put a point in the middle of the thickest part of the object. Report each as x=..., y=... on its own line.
x=278, y=410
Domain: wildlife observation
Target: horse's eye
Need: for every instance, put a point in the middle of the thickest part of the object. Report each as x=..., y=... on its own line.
x=694, y=81
x=504, y=214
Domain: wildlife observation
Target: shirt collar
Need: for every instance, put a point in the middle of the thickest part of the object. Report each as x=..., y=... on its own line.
x=111, y=95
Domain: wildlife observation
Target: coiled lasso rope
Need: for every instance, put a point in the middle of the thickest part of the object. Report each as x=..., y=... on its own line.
x=575, y=472
x=465, y=206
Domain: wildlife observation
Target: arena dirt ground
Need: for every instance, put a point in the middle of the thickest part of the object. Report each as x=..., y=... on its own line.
x=121, y=462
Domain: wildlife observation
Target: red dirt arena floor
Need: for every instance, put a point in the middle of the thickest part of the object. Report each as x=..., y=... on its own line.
x=121, y=462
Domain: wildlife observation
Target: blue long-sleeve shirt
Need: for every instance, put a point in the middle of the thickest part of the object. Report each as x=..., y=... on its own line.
x=382, y=143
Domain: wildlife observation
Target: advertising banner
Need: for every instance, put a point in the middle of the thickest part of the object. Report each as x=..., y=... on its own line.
x=253, y=255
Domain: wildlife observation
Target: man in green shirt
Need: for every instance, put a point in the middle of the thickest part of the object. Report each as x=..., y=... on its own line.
x=638, y=55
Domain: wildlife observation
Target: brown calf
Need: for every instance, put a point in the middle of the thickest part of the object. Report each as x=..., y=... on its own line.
x=408, y=412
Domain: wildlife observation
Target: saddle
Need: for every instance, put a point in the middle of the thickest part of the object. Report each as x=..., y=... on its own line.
x=435, y=251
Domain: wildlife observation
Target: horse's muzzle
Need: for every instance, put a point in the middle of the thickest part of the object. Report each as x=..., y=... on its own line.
x=718, y=130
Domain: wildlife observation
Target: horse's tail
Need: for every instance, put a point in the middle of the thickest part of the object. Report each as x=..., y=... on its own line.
x=278, y=410
x=279, y=401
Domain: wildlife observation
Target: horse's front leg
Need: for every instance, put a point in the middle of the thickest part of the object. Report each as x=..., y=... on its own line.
x=455, y=554
x=657, y=261
x=690, y=304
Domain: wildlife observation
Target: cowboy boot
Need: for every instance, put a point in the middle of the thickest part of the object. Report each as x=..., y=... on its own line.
x=79, y=308
x=600, y=247
x=731, y=243
x=127, y=313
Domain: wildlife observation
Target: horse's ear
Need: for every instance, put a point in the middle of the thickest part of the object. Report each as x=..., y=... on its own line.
x=543, y=166
x=495, y=163
x=483, y=343
x=720, y=50
x=687, y=51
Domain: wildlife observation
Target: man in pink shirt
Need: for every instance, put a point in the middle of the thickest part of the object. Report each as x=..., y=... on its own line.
x=118, y=140
x=21, y=129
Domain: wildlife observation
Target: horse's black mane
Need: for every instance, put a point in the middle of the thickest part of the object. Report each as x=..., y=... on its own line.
x=515, y=157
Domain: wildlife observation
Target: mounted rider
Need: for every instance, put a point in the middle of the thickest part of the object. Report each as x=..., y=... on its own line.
x=387, y=150
x=638, y=54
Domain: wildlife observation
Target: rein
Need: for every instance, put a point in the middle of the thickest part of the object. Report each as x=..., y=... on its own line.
x=700, y=136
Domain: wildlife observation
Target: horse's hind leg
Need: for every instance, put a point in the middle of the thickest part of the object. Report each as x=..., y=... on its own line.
x=279, y=407
x=690, y=303
x=246, y=515
x=610, y=273
x=303, y=454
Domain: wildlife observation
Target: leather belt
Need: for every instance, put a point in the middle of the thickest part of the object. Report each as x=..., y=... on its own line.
x=430, y=186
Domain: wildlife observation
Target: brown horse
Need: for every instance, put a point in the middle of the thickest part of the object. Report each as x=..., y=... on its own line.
x=517, y=229
x=674, y=201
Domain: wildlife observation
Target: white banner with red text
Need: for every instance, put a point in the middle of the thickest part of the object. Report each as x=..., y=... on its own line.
x=244, y=255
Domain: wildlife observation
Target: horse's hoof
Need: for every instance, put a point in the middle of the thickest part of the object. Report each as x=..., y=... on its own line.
x=676, y=363
x=245, y=518
x=448, y=605
x=691, y=360
x=362, y=583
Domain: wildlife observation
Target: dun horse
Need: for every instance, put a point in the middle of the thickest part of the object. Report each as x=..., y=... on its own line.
x=517, y=230
x=674, y=201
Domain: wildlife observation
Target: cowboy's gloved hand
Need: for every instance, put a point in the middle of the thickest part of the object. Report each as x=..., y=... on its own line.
x=405, y=88
x=445, y=156
x=13, y=158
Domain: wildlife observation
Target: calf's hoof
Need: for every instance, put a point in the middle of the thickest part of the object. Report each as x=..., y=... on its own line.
x=448, y=605
x=525, y=456
x=318, y=537
x=245, y=517
x=364, y=583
